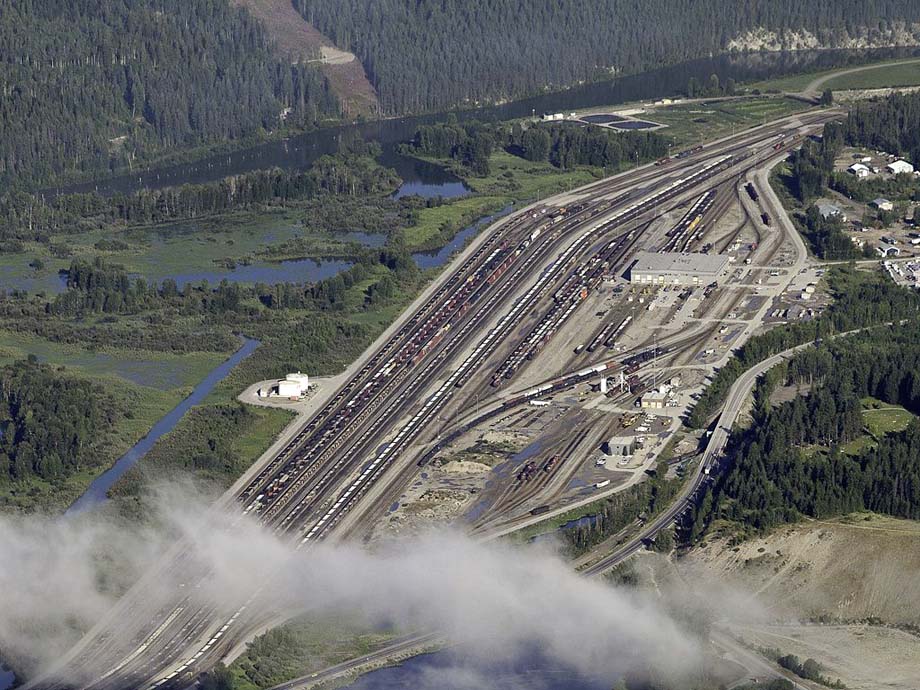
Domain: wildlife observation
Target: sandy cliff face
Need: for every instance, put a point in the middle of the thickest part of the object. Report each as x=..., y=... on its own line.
x=853, y=569
x=762, y=39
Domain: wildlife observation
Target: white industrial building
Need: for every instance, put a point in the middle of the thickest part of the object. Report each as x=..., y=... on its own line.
x=898, y=167
x=882, y=204
x=291, y=386
x=673, y=268
x=887, y=250
x=656, y=399
x=859, y=170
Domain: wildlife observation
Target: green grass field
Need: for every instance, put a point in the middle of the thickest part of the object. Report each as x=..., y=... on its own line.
x=884, y=74
x=147, y=406
x=524, y=180
x=882, y=418
x=878, y=77
x=149, y=384
x=439, y=222
x=304, y=645
x=696, y=123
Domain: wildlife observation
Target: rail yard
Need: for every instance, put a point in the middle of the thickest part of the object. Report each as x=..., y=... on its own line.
x=536, y=317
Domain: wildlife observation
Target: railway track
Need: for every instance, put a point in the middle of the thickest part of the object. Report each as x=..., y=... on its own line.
x=333, y=487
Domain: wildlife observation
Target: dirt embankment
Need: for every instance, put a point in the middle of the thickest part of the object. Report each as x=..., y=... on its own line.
x=299, y=40
x=842, y=592
x=856, y=568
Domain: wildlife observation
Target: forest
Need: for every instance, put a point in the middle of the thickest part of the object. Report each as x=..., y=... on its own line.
x=890, y=124
x=805, y=456
x=99, y=85
x=564, y=145
x=350, y=172
x=860, y=300
x=430, y=55
x=51, y=422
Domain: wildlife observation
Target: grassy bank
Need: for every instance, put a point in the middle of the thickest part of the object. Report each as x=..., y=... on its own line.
x=304, y=645
x=874, y=76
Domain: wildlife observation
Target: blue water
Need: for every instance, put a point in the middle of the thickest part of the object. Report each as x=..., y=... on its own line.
x=448, y=670
x=7, y=678
x=33, y=282
x=98, y=490
x=448, y=190
x=295, y=271
x=437, y=258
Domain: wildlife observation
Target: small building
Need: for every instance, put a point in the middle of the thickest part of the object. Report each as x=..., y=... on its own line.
x=882, y=204
x=621, y=446
x=859, y=170
x=898, y=167
x=829, y=210
x=886, y=250
x=674, y=268
x=655, y=400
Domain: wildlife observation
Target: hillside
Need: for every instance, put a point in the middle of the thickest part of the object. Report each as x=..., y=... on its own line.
x=847, y=569
x=93, y=85
x=425, y=55
x=842, y=592
x=298, y=41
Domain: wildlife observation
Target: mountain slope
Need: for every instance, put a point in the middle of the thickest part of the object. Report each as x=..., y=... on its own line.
x=432, y=54
x=90, y=85
x=297, y=40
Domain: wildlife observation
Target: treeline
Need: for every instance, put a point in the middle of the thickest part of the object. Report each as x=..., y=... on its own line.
x=891, y=124
x=860, y=300
x=826, y=237
x=794, y=460
x=351, y=172
x=813, y=162
x=712, y=88
x=50, y=422
x=565, y=145
x=99, y=287
x=98, y=85
x=463, y=54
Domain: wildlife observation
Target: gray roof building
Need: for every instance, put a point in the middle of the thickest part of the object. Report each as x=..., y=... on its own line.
x=828, y=210
x=673, y=268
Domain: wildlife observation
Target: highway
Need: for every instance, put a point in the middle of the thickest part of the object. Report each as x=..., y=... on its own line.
x=371, y=431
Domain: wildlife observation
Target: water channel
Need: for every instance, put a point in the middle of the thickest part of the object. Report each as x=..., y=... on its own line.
x=98, y=490
x=300, y=151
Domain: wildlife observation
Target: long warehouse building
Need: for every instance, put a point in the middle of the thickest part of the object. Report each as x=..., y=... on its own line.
x=674, y=268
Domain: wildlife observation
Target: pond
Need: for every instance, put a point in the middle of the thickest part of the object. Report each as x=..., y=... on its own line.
x=292, y=271
x=439, y=257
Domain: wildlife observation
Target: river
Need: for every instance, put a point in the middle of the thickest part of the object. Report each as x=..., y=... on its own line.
x=449, y=670
x=300, y=151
